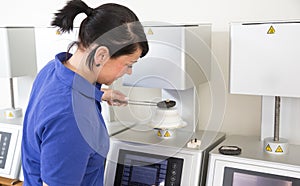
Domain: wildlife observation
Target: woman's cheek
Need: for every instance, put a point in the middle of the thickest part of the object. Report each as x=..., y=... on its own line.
x=121, y=72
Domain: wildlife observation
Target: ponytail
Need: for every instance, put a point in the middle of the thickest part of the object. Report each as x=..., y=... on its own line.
x=65, y=16
x=111, y=25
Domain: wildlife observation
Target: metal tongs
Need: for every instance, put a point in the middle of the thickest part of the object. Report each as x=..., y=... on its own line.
x=162, y=104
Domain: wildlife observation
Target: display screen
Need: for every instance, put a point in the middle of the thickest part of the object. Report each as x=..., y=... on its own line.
x=145, y=175
x=136, y=168
x=253, y=180
x=238, y=177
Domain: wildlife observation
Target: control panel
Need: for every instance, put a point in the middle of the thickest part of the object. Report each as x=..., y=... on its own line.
x=4, y=144
x=10, y=147
x=137, y=168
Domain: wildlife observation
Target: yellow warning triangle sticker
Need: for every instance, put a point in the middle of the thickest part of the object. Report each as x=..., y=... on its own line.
x=10, y=115
x=150, y=32
x=271, y=30
x=58, y=32
x=279, y=149
x=268, y=148
x=159, y=134
x=167, y=134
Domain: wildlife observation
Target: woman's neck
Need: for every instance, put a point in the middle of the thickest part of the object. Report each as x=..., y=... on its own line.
x=77, y=63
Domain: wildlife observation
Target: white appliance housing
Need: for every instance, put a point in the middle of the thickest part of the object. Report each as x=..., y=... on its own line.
x=253, y=159
x=264, y=58
x=179, y=60
x=179, y=57
x=17, y=48
x=147, y=148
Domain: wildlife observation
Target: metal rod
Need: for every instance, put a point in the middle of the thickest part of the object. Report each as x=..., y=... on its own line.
x=12, y=99
x=134, y=102
x=145, y=103
x=161, y=104
x=277, y=118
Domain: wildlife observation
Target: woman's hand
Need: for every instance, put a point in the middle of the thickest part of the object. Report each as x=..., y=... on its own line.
x=114, y=97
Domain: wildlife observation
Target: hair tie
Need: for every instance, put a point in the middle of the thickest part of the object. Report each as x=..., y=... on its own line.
x=89, y=11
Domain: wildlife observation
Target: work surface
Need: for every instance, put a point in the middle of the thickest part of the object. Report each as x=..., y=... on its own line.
x=253, y=148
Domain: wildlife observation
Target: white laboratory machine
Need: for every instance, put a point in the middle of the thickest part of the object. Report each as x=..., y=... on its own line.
x=169, y=154
x=17, y=59
x=264, y=61
x=137, y=157
x=253, y=167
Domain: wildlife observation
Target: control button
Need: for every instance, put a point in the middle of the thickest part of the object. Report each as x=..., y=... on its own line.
x=174, y=165
x=173, y=178
x=173, y=172
x=172, y=183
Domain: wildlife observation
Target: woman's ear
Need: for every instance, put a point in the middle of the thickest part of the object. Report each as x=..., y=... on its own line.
x=101, y=56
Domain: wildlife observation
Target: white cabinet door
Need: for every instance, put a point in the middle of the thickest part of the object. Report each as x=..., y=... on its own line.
x=264, y=59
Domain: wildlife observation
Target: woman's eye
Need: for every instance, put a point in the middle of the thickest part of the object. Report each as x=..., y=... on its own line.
x=129, y=66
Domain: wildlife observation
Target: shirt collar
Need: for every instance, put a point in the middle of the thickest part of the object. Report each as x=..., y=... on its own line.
x=75, y=81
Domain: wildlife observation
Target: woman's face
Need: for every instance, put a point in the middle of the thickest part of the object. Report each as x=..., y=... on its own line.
x=117, y=67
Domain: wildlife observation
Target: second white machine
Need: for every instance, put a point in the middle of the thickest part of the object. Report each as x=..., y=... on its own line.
x=179, y=60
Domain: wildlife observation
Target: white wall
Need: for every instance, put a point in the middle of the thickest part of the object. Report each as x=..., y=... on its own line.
x=218, y=12
x=243, y=113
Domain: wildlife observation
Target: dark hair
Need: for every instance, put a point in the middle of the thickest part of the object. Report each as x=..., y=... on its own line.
x=111, y=25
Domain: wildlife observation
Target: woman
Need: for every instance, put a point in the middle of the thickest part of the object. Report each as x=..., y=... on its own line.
x=65, y=141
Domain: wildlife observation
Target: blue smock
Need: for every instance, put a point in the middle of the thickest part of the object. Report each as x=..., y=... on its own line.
x=65, y=140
